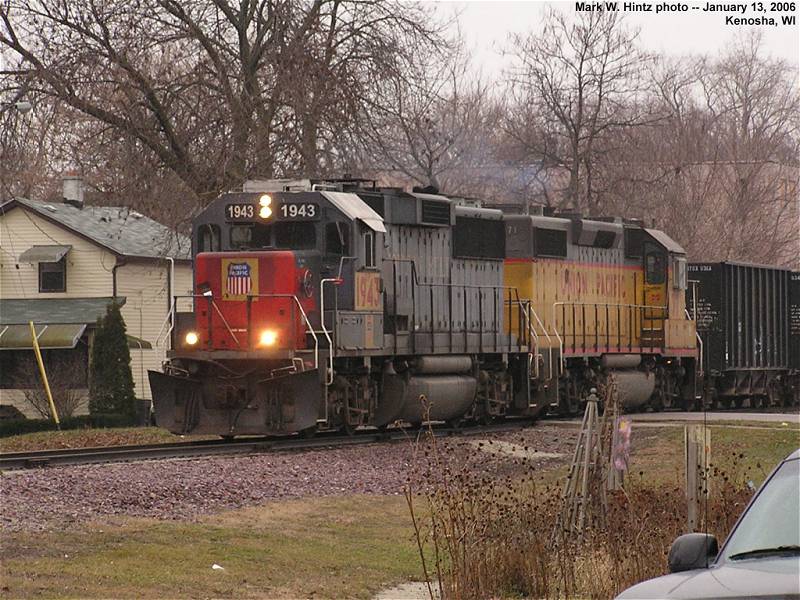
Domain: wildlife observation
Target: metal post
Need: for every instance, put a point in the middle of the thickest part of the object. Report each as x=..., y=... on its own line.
x=209, y=302
x=249, y=320
x=43, y=373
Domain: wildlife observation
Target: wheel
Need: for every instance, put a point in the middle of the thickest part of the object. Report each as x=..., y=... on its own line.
x=308, y=432
x=455, y=423
x=738, y=401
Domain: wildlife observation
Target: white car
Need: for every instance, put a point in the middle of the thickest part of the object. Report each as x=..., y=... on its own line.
x=760, y=558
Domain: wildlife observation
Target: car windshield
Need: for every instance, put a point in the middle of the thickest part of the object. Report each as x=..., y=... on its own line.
x=772, y=524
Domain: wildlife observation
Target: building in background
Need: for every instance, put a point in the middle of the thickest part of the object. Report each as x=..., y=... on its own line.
x=61, y=264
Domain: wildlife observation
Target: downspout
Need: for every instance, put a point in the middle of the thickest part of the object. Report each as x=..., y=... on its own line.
x=121, y=262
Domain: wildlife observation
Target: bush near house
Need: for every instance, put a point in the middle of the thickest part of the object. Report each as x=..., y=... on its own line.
x=110, y=377
x=67, y=379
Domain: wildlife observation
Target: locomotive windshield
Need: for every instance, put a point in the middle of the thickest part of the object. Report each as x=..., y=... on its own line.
x=296, y=235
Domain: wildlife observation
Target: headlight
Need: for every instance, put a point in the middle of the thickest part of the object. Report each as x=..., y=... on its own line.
x=265, y=202
x=192, y=338
x=268, y=337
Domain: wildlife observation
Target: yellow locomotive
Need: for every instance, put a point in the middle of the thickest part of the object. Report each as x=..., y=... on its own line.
x=606, y=296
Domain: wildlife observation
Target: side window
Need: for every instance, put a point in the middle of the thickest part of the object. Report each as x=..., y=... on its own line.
x=209, y=238
x=549, y=242
x=53, y=276
x=336, y=239
x=679, y=273
x=654, y=267
x=369, y=249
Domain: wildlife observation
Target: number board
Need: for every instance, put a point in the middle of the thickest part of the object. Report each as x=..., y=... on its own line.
x=298, y=211
x=368, y=290
x=240, y=211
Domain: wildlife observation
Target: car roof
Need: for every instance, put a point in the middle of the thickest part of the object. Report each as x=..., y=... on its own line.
x=794, y=455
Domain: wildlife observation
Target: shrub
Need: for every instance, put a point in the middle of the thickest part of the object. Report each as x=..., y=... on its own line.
x=111, y=380
x=484, y=536
x=19, y=426
x=67, y=385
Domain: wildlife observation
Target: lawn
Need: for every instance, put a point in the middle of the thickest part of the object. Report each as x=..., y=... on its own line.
x=349, y=546
x=85, y=438
x=333, y=547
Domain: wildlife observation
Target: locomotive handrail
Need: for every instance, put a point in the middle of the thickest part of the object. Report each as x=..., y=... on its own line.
x=211, y=302
x=631, y=307
x=699, y=339
x=450, y=285
x=547, y=335
x=310, y=329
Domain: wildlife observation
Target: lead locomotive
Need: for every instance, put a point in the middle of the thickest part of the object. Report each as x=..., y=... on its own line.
x=337, y=304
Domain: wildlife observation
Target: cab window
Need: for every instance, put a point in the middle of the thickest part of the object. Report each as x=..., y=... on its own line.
x=251, y=236
x=369, y=249
x=654, y=267
x=296, y=235
x=208, y=236
x=679, y=273
x=336, y=239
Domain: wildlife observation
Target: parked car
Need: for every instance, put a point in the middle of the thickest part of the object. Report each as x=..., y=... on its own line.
x=760, y=558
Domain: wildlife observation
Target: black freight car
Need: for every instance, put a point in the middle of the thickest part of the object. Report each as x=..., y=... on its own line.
x=743, y=320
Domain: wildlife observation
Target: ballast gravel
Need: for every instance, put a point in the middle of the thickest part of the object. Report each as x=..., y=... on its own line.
x=62, y=497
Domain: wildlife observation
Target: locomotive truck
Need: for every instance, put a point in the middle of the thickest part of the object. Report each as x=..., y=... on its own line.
x=341, y=304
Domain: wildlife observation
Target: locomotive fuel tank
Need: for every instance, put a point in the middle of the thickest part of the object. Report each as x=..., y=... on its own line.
x=427, y=388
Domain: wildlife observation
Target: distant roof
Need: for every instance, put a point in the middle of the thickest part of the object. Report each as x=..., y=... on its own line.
x=20, y=311
x=120, y=229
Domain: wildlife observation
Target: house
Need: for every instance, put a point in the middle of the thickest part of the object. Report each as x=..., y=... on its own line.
x=61, y=264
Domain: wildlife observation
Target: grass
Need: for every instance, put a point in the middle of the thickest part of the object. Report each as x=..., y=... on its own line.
x=84, y=438
x=345, y=546
x=749, y=453
x=332, y=547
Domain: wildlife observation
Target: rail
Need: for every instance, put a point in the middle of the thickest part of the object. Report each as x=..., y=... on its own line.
x=608, y=314
x=213, y=308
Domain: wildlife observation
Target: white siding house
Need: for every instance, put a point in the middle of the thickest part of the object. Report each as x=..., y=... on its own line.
x=61, y=263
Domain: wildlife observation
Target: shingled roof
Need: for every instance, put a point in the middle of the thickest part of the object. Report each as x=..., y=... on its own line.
x=119, y=229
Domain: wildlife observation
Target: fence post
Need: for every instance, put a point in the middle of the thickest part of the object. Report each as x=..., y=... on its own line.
x=697, y=454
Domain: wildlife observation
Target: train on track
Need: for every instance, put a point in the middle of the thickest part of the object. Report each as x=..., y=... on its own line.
x=338, y=304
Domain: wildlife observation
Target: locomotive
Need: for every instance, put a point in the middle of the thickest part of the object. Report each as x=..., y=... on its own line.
x=339, y=304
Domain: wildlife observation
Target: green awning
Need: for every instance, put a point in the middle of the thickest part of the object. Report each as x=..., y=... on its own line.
x=45, y=254
x=53, y=336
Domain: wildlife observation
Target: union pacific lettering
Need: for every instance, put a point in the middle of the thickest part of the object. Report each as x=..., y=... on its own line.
x=582, y=284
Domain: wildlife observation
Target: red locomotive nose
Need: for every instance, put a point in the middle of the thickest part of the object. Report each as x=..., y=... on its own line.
x=252, y=301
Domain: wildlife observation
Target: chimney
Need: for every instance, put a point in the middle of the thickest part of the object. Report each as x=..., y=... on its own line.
x=73, y=190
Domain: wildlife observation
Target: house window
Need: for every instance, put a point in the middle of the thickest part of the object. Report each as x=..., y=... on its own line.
x=53, y=276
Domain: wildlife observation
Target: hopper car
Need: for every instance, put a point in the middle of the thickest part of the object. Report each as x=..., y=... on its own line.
x=748, y=321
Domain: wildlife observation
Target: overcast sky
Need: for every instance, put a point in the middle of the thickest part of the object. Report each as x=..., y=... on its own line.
x=487, y=27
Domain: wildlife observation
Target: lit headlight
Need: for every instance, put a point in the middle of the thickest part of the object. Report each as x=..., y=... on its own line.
x=191, y=338
x=265, y=203
x=268, y=337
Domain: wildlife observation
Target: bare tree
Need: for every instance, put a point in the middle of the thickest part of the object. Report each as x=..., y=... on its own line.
x=212, y=92
x=432, y=125
x=576, y=84
x=67, y=379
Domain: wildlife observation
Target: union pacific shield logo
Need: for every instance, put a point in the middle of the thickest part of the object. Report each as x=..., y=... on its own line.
x=239, y=281
x=240, y=278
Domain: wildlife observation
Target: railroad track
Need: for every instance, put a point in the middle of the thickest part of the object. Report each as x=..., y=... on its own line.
x=10, y=461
